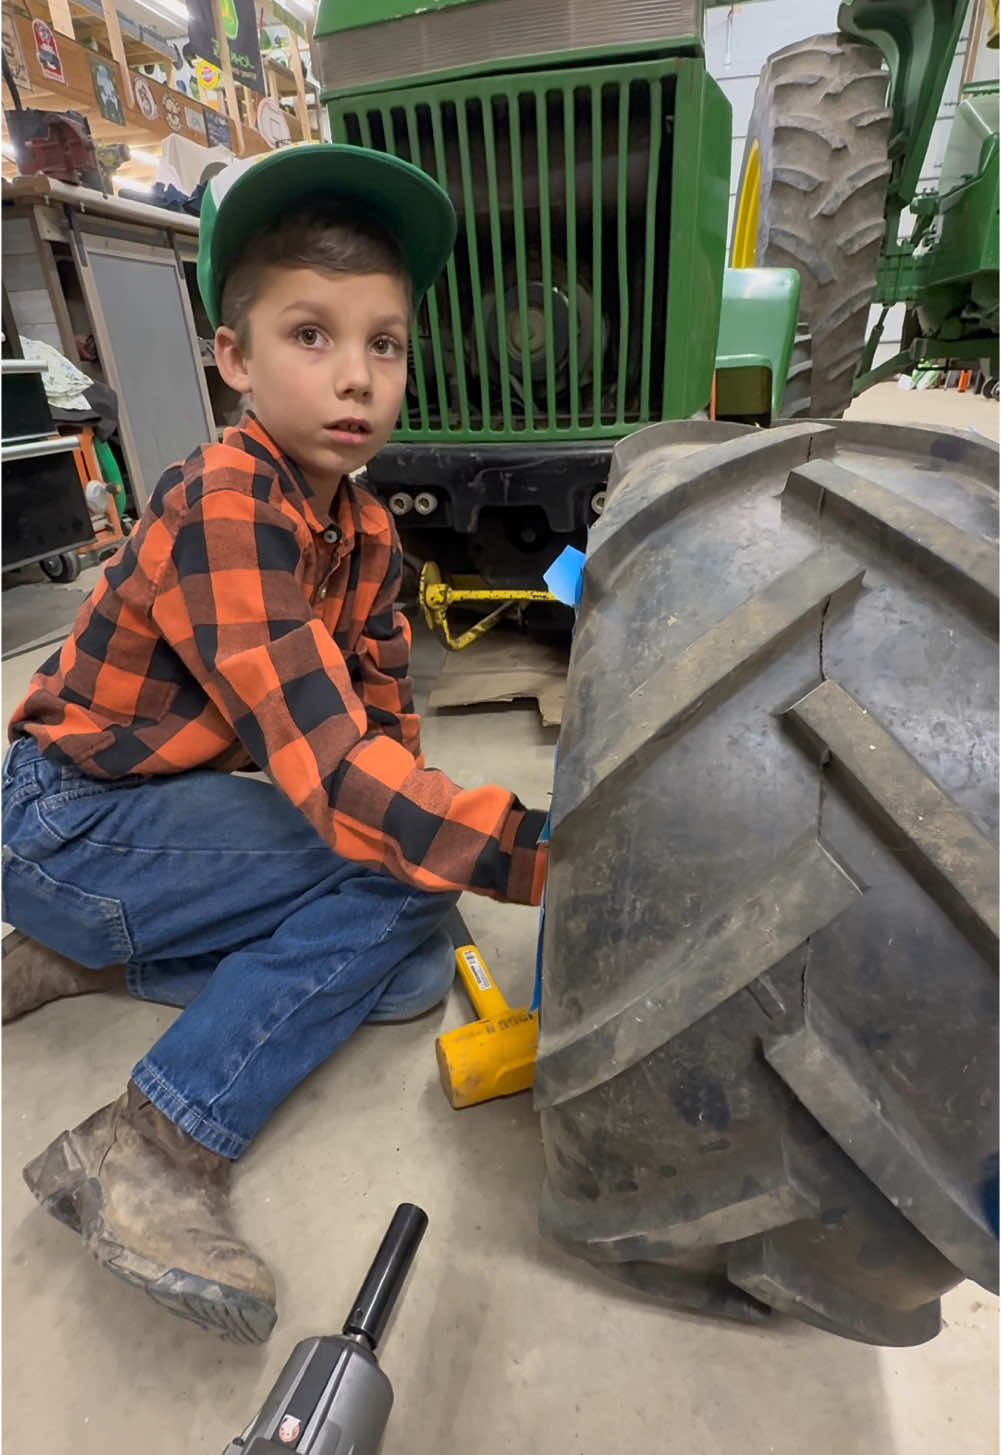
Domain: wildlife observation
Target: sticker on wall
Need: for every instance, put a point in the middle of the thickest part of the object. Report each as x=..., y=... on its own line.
x=145, y=100
x=207, y=75
x=272, y=123
x=106, y=91
x=208, y=79
x=194, y=120
x=217, y=130
x=47, y=52
x=172, y=111
x=13, y=54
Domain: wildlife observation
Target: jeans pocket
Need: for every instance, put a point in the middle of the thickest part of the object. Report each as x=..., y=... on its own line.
x=16, y=763
x=88, y=928
x=80, y=804
x=9, y=765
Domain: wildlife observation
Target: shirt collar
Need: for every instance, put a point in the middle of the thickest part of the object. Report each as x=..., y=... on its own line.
x=344, y=508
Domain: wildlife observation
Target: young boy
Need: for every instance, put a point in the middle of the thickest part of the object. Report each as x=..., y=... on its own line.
x=249, y=621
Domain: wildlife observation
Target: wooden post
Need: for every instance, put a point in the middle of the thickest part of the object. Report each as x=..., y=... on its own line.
x=228, y=84
x=271, y=81
x=301, y=109
x=62, y=19
x=250, y=99
x=118, y=46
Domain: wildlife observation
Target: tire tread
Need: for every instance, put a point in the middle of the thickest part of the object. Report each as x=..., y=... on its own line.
x=843, y=1188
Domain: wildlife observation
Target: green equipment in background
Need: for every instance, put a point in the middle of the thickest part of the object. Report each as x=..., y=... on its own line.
x=587, y=152
x=831, y=166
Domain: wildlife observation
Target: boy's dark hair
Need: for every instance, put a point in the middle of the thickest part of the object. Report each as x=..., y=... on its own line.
x=314, y=237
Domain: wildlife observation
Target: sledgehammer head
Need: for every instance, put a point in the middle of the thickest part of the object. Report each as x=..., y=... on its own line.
x=488, y=1058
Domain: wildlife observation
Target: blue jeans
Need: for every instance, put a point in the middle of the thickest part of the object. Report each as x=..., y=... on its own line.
x=219, y=897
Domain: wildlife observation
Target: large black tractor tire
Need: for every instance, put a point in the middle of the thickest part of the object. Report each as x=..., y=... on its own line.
x=767, y=1068
x=822, y=129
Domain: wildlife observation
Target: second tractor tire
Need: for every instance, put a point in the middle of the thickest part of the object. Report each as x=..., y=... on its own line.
x=818, y=138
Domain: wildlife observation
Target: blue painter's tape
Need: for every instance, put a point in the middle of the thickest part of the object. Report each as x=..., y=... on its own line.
x=564, y=576
x=989, y=1192
x=543, y=839
x=537, y=987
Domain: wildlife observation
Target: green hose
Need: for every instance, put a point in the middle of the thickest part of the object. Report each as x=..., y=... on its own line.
x=111, y=474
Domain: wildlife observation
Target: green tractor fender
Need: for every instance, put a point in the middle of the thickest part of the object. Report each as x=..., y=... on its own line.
x=918, y=40
x=757, y=329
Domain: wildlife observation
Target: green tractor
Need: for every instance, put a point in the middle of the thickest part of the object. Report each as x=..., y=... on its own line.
x=832, y=161
x=767, y=1067
x=591, y=181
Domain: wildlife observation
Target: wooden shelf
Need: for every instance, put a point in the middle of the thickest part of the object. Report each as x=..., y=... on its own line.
x=142, y=47
x=49, y=190
x=286, y=80
x=124, y=46
x=76, y=92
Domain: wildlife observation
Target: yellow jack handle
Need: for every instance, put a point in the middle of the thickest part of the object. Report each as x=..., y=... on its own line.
x=437, y=595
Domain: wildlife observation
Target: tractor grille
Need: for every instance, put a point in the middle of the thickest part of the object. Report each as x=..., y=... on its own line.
x=552, y=314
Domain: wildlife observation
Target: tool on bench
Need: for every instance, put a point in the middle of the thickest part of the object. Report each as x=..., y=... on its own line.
x=494, y=1055
x=332, y=1398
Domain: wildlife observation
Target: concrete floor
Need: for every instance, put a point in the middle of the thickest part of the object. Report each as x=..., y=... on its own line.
x=501, y=1343
x=935, y=408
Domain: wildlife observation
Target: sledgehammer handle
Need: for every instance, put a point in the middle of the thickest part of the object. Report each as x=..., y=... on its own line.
x=486, y=999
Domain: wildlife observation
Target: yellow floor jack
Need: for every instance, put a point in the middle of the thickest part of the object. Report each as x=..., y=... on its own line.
x=437, y=595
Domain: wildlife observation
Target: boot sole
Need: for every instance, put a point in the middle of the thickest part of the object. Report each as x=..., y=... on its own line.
x=56, y=1178
x=58, y=1181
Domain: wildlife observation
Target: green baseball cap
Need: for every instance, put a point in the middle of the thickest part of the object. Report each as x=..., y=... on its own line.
x=249, y=194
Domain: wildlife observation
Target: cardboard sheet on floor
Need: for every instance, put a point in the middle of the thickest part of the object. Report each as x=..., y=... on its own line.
x=502, y=667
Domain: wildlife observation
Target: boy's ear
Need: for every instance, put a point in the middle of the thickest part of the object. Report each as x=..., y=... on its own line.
x=231, y=361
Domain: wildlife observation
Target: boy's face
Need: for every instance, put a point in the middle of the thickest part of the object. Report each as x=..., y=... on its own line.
x=326, y=367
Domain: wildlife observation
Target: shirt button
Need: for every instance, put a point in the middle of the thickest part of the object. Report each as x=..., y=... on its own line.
x=331, y=535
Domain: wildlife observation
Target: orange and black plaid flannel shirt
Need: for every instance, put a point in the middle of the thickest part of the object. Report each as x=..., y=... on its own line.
x=235, y=628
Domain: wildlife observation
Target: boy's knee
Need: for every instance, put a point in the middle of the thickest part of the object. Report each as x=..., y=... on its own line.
x=421, y=982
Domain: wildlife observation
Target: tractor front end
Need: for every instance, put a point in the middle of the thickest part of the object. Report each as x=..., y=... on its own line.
x=587, y=156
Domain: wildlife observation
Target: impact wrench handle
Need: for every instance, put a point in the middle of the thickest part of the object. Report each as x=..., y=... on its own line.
x=332, y=1398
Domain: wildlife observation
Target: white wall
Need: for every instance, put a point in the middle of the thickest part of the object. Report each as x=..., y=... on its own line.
x=739, y=40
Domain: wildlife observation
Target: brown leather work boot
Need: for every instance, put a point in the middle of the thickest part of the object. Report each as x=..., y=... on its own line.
x=152, y=1206
x=31, y=976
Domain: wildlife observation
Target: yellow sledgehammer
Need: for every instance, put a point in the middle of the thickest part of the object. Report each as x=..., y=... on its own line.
x=494, y=1055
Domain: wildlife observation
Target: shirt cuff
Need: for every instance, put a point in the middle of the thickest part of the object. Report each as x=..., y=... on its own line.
x=529, y=858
